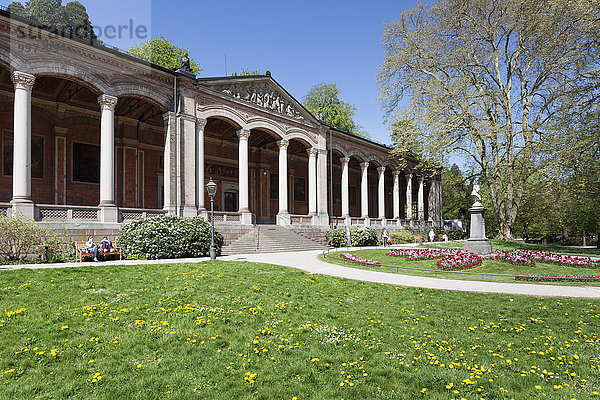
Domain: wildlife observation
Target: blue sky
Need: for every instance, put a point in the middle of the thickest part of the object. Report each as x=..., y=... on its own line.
x=301, y=43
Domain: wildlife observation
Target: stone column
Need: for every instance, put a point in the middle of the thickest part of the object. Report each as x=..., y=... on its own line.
x=322, y=182
x=396, y=194
x=409, y=215
x=283, y=214
x=170, y=164
x=421, y=198
x=187, y=152
x=200, y=124
x=244, y=135
x=21, y=199
x=108, y=209
x=364, y=190
x=345, y=196
x=381, y=192
x=312, y=181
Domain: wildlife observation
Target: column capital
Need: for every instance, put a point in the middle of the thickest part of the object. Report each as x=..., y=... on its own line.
x=243, y=134
x=23, y=80
x=322, y=152
x=345, y=160
x=396, y=173
x=408, y=175
x=364, y=165
x=420, y=179
x=201, y=123
x=107, y=101
x=283, y=144
x=381, y=170
x=168, y=115
x=312, y=152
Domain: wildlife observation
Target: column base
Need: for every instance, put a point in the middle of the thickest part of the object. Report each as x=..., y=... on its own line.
x=481, y=247
x=321, y=220
x=284, y=219
x=109, y=214
x=246, y=218
x=23, y=207
x=204, y=213
x=189, y=211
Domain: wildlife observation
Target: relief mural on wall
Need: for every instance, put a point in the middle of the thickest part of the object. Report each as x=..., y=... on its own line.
x=263, y=96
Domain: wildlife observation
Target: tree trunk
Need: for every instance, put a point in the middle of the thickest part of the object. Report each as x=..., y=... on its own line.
x=583, y=241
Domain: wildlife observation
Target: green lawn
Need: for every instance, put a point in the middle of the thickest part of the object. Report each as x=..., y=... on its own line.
x=229, y=330
x=476, y=273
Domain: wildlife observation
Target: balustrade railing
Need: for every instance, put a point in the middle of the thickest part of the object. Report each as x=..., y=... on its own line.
x=4, y=209
x=129, y=214
x=301, y=219
x=50, y=212
x=225, y=217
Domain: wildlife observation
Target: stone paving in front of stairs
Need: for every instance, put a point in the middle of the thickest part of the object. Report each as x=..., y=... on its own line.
x=308, y=261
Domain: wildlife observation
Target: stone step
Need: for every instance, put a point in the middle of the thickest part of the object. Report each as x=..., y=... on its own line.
x=270, y=238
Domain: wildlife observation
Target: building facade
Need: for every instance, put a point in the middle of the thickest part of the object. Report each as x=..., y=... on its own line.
x=93, y=138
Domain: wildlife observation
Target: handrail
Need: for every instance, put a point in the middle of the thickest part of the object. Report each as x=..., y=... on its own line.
x=482, y=274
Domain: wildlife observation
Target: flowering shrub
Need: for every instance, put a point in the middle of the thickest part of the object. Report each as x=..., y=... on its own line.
x=556, y=278
x=519, y=257
x=352, y=257
x=364, y=236
x=514, y=257
x=360, y=236
x=22, y=237
x=168, y=236
x=336, y=238
x=451, y=259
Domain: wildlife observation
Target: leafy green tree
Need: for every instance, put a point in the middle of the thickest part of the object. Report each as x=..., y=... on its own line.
x=71, y=19
x=456, y=194
x=162, y=52
x=322, y=101
x=484, y=79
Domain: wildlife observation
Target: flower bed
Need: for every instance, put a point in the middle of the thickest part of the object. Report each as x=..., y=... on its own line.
x=528, y=257
x=353, y=258
x=556, y=278
x=422, y=254
x=514, y=257
x=451, y=259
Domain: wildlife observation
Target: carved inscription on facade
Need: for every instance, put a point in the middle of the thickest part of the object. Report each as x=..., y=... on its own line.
x=263, y=96
x=221, y=171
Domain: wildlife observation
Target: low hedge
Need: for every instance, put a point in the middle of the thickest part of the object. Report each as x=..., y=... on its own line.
x=168, y=236
x=400, y=237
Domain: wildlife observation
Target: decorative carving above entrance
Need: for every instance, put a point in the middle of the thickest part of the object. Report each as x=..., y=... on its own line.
x=262, y=95
x=221, y=171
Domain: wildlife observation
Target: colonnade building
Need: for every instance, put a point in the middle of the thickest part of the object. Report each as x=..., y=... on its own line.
x=93, y=138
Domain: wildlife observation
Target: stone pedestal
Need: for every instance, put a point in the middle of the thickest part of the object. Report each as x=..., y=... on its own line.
x=478, y=243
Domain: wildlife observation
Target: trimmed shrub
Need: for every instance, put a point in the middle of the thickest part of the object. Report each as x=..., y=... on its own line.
x=399, y=237
x=168, y=236
x=21, y=238
x=364, y=236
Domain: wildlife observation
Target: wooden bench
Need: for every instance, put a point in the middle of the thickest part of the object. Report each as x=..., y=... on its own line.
x=417, y=238
x=81, y=251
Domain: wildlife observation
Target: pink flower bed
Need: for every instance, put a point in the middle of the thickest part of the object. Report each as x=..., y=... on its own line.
x=555, y=278
x=528, y=257
x=352, y=257
x=451, y=259
x=514, y=257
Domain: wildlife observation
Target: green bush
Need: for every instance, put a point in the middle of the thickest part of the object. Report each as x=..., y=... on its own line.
x=364, y=236
x=22, y=238
x=359, y=236
x=399, y=237
x=168, y=236
x=336, y=238
x=453, y=234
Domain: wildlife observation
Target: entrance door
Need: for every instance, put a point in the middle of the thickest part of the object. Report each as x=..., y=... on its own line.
x=231, y=201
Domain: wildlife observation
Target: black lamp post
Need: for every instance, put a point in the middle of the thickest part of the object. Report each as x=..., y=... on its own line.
x=211, y=188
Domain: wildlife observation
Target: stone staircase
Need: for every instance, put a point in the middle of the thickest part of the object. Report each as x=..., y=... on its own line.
x=271, y=239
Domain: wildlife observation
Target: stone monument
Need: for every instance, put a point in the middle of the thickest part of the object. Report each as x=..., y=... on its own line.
x=477, y=243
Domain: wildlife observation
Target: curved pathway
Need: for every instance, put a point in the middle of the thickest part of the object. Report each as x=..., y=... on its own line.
x=308, y=261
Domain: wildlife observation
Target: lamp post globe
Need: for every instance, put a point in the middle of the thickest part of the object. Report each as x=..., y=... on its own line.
x=211, y=188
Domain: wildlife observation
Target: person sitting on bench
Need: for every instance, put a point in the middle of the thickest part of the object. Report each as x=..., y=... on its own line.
x=91, y=247
x=106, y=245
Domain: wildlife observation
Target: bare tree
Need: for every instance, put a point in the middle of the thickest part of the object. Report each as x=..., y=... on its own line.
x=484, y=79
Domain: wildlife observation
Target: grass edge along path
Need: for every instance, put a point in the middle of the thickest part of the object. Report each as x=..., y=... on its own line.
x=224, y=330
